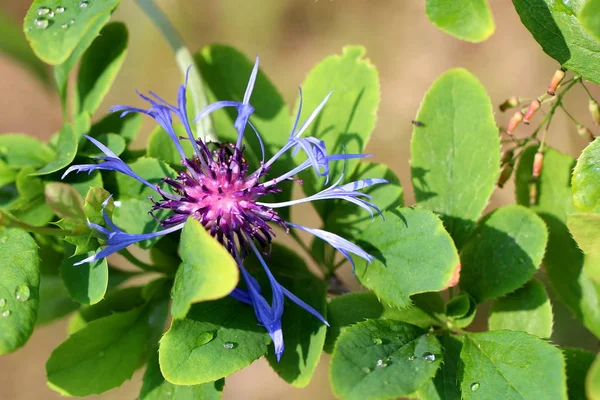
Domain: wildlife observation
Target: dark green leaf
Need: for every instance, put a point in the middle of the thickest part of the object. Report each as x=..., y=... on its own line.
x=586, y=179
x=132, y=217
x=503, y=253
x=161, y=146
x=446, y=384
x=528, y=309
x=66, y=149
x=83, y=182
x=208, y=271
x=64, y=200
x=100, y=356
x=19, y=288
x=18, y=150
x=456, y=153
x=215, y=339
x=128, y=126
x=516, y=364
x=589, y=17
x=55, y=302
x=381, y=359
x=578, y=364
x=87, y=282
x=53, y=38
x=404, y=263
x=554, y=25
x=469, y=20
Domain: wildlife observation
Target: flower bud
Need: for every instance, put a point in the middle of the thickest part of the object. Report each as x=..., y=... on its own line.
x=509, y=103
x=505, y=174
x=595, y=111
x=514, y=121
x=538, y=161
x=559, y=75
x=583, y=131
x=533, y=107
x=507, y=156
x=533, y=193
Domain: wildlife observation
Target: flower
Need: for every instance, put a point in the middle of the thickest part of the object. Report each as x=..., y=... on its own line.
x=217, y=189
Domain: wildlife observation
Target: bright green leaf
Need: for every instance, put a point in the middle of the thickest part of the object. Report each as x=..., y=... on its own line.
x=404, y=263
x=87, y=282
x=503, y=252
x=528, y=309
x=53, y=39
x=128, y=127
x=161, y=146
x=469, y=20
x=516, y=364
x=592, y=380
x=7, y=175
x=554, y=25
x=19, y=288
x=208, y=271
x=456, y=153
x=99, y=357
x=446, y=384
x=93, y=205
x=30, y=207
x=113, y=141
x=589, y=17
x=66, y=149
x=64, y=200
x=586, y=178
x=578, y=364
x=18, y=150
x=371, y=353
x=585, y=228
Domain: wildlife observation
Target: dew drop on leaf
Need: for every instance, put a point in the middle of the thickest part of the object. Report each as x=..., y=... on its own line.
x=377, y=341
x=23, y=293
x=381, y=364
x=41, y=23
x=412, y=358
x=84, y=4
x=43, y=11
x=428, y=357
x=230, y=345
x=204, y=338
x=65, y=26
x=474, y=386
x=60, y=10
x=5, y=313
x=366, y=370
x=2, y=302
x=72, y=21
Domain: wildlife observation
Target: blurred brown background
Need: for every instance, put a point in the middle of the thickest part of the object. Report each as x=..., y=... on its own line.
x=291, y=36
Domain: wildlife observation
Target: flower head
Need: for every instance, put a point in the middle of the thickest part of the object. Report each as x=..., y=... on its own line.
x=218, y=189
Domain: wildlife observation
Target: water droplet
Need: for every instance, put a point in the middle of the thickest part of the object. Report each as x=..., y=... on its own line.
x=366, y=370
x=43, y=11
x=377, y=341
x=230, y=345
x=412, y=358
x=72, y=21
x=41, y=23
x=5, y=313
x=84, y=3
x=65, y=26
x=2, y=303
x=381, y=364
x=204, y=338
x=23, y=293
x=60, y=9
x=428, y=357
x=474, y=386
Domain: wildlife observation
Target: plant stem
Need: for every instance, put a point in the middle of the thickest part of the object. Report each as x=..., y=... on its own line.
x=8, y=221
x=185, y=60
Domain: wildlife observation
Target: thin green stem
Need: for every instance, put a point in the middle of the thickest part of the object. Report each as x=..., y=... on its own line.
x=587, y=90
x=10, y=221
x=185, y=60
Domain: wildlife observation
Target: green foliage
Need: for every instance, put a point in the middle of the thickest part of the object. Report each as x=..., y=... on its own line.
x=527, y=309
x=30, y=206
x=592, y=380
x=586, y=179
x=469, y=20
x=18, y=150
x=516, y=364
x=383, y=359
x=161, y=146
x=66, y=148
x=113, y=141
x=448, y=175
x=401, y=246
x=127, y=127
x=64, y=200
x=589, y=17
x=208, y=271
x=446, y=383
x=578, y=365
x=19, y=288
x=555, y=26
x=54, y=38
x=86, y=283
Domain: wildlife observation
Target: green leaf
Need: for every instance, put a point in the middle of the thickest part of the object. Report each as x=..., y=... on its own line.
x=93, y=205
x=215, y=339
x=99, y=66
x=7, y=175
x=578, y=364
x=150, y=169
x=66, y=149
x=503, y=252
x=446, y=384
x=345, y=124
x=30, y=207
x=528, y=309
x=19, y=288
x=585, y=228
x=86, y=283
x=469, y=20
x=83, y=182
x=50, y=39
x=592, y=381
x=456, y=153
x=128, y=127
x=554, y=25
x=132, y=217
x=589, y=17
x=404, y=263
x=64, y=200
x=55, y=302
x=18, y=150
x=516, y=364
x=155, y=387
x=100, y=356
x=564, y=262
x=381, y=359
x=161, y=146
x=113, y=141
x=586, y=178
x=208, y=271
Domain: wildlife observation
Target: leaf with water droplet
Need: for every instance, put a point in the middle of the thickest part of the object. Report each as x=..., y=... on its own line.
x=5, y=313
x=60, y=9
x=474, y=386
x=2, y=302
x=428, y=357
x=230, y=345
x=23, y=293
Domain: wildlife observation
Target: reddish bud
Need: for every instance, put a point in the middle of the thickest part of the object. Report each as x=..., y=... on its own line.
x=507, y=156
x=514, y=121
x=533, y=107
x=538, y=161
x=505, y=174
x=595, y=111
x=559, y=75
x=509, y=103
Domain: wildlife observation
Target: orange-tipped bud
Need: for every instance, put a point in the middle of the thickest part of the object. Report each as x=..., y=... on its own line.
x=538, y=161
x=514, y=121
x=559, y=75
x=533, y=107
x=505, y=174
x=595, y=111
x=533, y=193
x=507, y=156
x=509, y=103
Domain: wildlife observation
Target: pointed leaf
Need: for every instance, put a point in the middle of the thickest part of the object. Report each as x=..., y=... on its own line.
x=469, y=20
x=586, y=178
x=66, y=149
